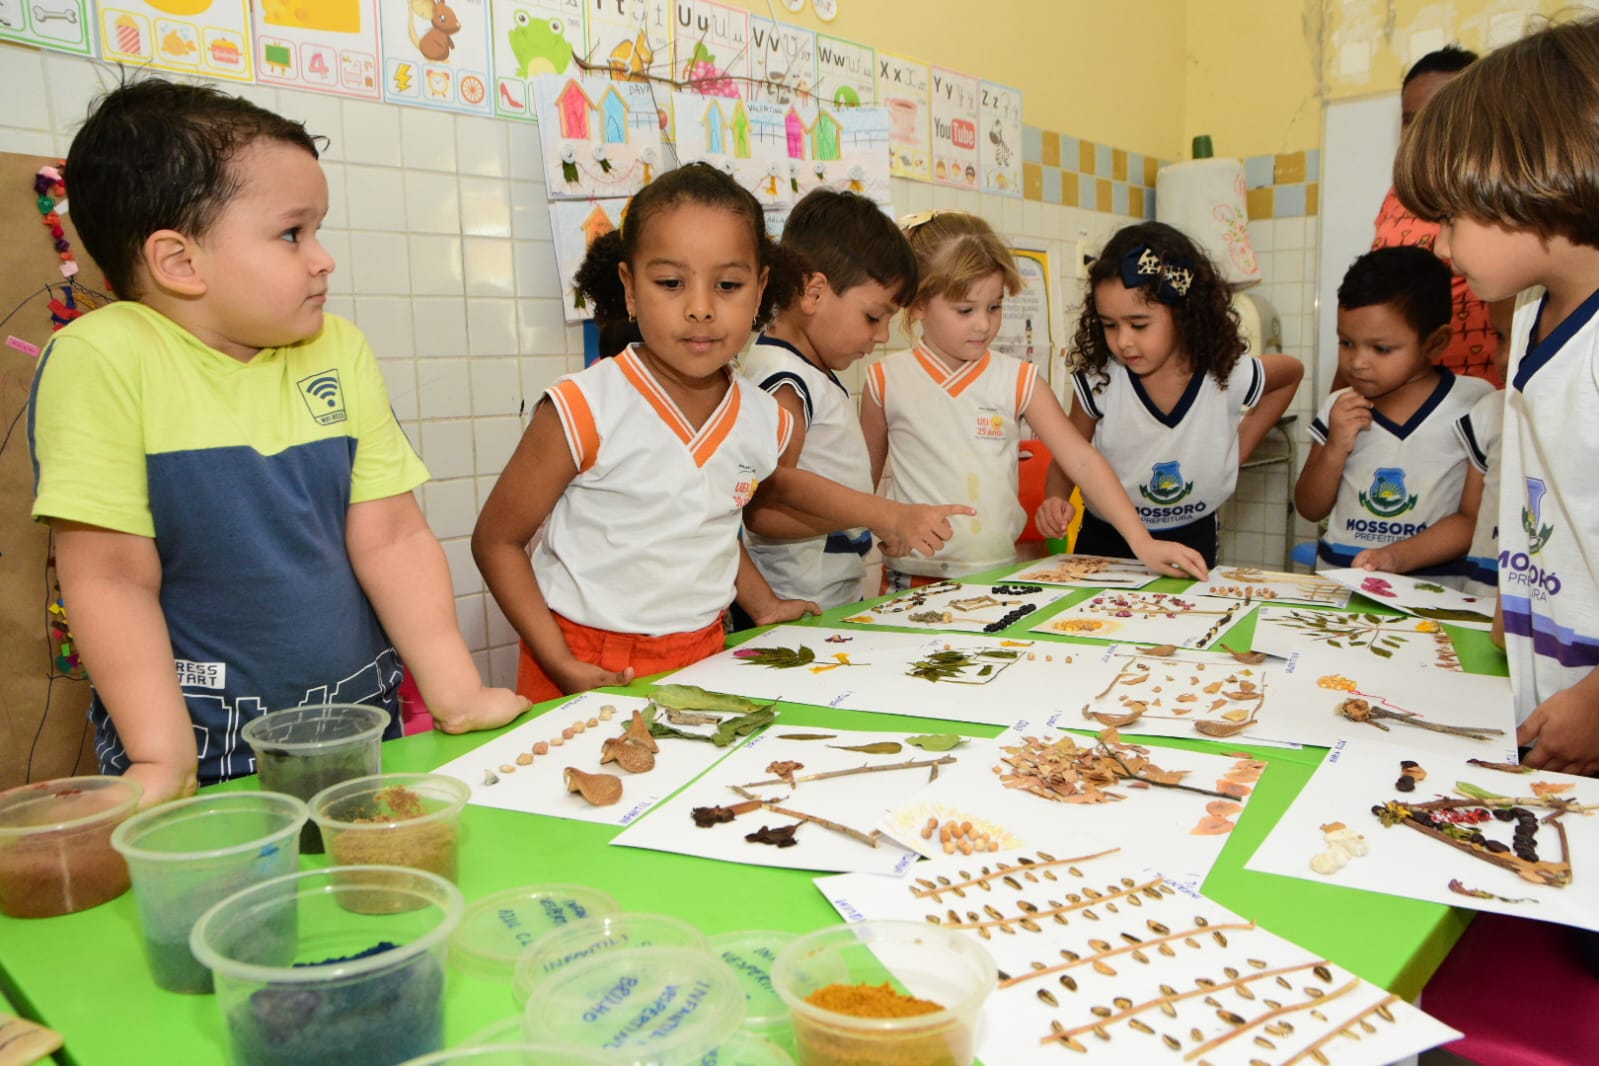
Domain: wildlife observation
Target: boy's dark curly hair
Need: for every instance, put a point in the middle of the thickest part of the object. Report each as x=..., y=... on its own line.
x=1207, y=326
x=699, y=183
x=155, y=154
x=1415, y=282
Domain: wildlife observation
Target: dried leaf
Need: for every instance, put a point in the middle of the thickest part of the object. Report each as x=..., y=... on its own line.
x=781, y=836
x=785, y=770
x=694, y=698
x=1550, y=788
x=936, y=741
x=882, y=747
x=807, y=736
x=600, y=790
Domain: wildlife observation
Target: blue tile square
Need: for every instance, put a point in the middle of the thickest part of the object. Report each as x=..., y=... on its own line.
x=1051, y=185
x=1118, y=197
x=1102, y=160
x=1032, y=144
x=1087, y=192
x=1135, y=168
x=1289, y=201
x=1149, y=205
x=1313, y=164
x=1071, y=153
x=1260, y=170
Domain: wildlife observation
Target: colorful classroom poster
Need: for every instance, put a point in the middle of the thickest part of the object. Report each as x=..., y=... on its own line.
x=601, y=137
x=59, y=24
x=846, y=72
x=843, y=148
x=1000, y=143
x=1025, y=331
x=532, y=38
x=902, y=88
x=954, y=101
x=710, y=45
x=199, y=37
x=330, y=46
x=1460, y=833
x=576, y=224
x=748, y=139
x=437, y=55
x=782, y=61
x=1088, y=976
x=632, y=37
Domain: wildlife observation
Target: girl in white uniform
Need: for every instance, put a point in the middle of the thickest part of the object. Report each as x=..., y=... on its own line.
x=944, y=416
x=640, y=467
x=1165, y=391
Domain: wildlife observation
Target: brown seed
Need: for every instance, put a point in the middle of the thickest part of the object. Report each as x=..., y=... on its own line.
x=600, y=790
x=1168, y=1010
x=1099, y=1031
x=934, y=919
x=1230, y=971
x=1012, y=882
x=1101, y=1012
x=1218, y=936
x=568, y=733
x=1068, y=982
x=541, y=748
x=1101, y=966
x=1090, y=915
x=593, y=722
x=1156, y=928
x=1384, y=1013
x=992, y=911
x=1171, y=1041
x=1030, y=908
x=507, y=768
x=1261, y=1041
x=1323, y=974
x=1196, y=1035
x=1070, y=956
x=577, y=727
x=1122, y=1002
x=1320, y=1057
x=1030, y=925
x=1201, y=921
x=607, y=712
x=556, y=742
x=1280, y=1029
x=1313, y=992
x=1139, y=955
x=1245, y=991
x=1048, y=997
x=1259, y=964
x=1229, y=1017
x=524, y=759
x=1166, y=950
x=1099, y=945
x=1134, y=1023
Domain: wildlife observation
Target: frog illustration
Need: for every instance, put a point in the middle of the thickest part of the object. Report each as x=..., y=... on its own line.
x=538, y=45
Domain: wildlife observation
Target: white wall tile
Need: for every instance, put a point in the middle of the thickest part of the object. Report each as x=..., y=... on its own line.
x=482, y=146
x=530, y=212
x=336, y=242
x=536, y=273
x=323, y=116
x=485, y=207
x=372, y=133
x=427, y=139
x=474, y=625
x=73, y=85
x=432, y=203
x=490, y=267
x=399, y=377
x=527, y=155
x=494, y=440
x=436, y=268
x=538, y=374
x=451, y=506
x=374, y=198
x=380, y=264
x=439, y=326
x=337, y=216
x=464, y=575
x=496, y=386
x=29, y=142
x=444, y=388
x=491, y=328
x=503, y=665
x=501, y=631
x=447, y=446
x=386, y=321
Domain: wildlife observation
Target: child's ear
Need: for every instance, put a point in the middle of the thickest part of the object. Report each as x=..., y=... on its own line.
x=811, y=294
x=624, y=272
x=1436, y=342
x=171, y=263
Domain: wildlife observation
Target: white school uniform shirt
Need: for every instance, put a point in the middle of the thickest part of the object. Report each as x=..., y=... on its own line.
x=827, y=570
x=1548, y=512
x=954, y=437
x=1481, y=430
x=1399, y=479
x=1176, y=467
x=645, y=538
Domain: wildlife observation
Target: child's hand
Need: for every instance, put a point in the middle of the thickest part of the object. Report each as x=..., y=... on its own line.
x=1054, y=516
x=1350, y=415
x=919, y=528
x=1385, y=559
x=487, y=708
x=1565, y=728
x=784, y=611
x=1170, y=559
x=578, y=676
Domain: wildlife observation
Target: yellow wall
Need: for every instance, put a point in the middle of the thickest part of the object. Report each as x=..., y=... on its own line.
x=1251, y=76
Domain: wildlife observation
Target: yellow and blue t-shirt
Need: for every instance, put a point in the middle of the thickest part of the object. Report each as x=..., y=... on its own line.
x=243, y=474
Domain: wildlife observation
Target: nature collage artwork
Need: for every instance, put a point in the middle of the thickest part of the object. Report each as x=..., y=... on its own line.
x=1251, y=584
x=1085, y=571
x=1418, y=596
x=1340, y=636
x=951, y=606
x=1148, y=618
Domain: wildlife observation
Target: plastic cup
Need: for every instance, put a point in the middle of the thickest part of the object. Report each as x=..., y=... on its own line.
x=303, y=750
x=552, y=953
x=645, y=1006
x=55, y=844
x=188, y=855
x=922, y=960
x=498, y=928
x=303, y=979
x=515, y=1054
x=750, y=954
x=409, y=820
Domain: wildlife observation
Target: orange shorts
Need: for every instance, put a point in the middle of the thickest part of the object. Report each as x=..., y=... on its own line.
x=618, y=651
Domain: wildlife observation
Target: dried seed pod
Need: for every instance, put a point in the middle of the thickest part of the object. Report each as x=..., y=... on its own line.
x=1212, y=1001
x=1245, y=991
x=542, y=747
x=1048, y=997
x=1093, y=893
x=1280, y=1029
x=601, y=790
x=1314, y=992
x=1030, y=925
x=1230, y=971
x=1030, y=908
x=1100, y=1031
x=1261, y=1041
x=639, y=733
x=1012, y=882
x=1101, y=966
x=1006, y=929
x=1088, y=912
x=1135, y=900
x=1204, y=982
x=1068, y=982
x=1197, y=1035
x=1099, y=945
x=1122, y=1002
x=524, y=759
x=1037, y=966
x=1134, y=1023
x=1259, y=964
x=1284, y=982
x=1384, y=1013
x=1139, y=955
x=1157, y=928
x=933, y=919
x=1319, y=1016
x=634, y=758
x=1101, y=1012
x=925, y=883
x=1166, y=950
x=1171, y=1041
x=1074, y=871
x=1272, y=1003
x=1201, y=921
x=1190, y=941
x=1218, y=936
x=992, y=911
x=1168, y=1010
x=1229, y=1017
x=1323, y=974
x=1070, y=956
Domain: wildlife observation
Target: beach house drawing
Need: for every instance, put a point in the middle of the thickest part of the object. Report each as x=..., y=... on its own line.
x=727, y=132
x=577, y=111
x=818, y=139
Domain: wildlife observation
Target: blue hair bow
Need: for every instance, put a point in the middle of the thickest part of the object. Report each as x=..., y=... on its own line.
x=1173, y=275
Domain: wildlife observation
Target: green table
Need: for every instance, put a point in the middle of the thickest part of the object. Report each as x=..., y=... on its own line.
x=84, y=974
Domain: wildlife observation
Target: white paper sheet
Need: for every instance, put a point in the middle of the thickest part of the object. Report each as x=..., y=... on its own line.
x=1057, y=977
x=1148, y=618
x=1360, y=774
x=1183, y=832
x=1341, y=638
x=1085, y=571
x=857, y=801
x=1420, y=596
x=1275, y=586
x=952, y=607
x=539, y=788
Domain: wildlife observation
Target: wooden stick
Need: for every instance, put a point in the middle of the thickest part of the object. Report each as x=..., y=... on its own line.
x=1376, y=1008
x=1268, y=1016
x=870, y=840
x=1120, y=893
x=1163, y=784
x=934, y=893
x=1090, y=959
x=909, y=765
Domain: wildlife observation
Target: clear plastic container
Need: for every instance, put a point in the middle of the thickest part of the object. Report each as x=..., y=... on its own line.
x=393, y=820
x=314, y=968
x=650, y=1006
x=303, y=750
x=517, y=1054
x=188, y=855
x=55, y=844
x=921, y=960
x=553, y=952
x=497, y=929
x=750, y=954
x=743, y=1048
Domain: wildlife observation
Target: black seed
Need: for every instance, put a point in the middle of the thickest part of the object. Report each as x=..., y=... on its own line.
x=1497, y=847
x=1408, y=764
x=1406, y=783
x=1503, y=814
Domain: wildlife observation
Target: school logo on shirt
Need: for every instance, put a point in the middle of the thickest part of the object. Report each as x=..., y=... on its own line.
x=1532, y=522
x=744, y=488
x=1166, y=485
x=990, y=426
x=323, y=396
x=1387, y=497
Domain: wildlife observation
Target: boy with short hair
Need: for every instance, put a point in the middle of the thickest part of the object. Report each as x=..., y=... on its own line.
x=859, y=270
x=1506, y=158
x=231, y=494
x=1386, y=467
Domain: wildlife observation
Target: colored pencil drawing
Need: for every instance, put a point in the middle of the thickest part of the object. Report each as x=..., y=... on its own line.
x=1148, y=618
x=1086, y=571
x=1354, y=634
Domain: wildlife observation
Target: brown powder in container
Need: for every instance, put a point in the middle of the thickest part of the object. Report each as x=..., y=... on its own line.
x=946, y=1042
x=431, y=846
x=61, y=873
x=870, y=1001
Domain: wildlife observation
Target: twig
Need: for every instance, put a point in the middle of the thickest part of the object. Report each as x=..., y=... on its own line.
x=908, y=765
x=1367, y=713
x=1089, y=960
x=1380, y=1007
x=1268, y=1016
x=939, y=890
x=1035, y=915
x=870, y=840
x=1539, y=873
x=1162, y=784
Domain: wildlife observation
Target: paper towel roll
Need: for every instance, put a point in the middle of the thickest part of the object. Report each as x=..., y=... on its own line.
x=1207, y=199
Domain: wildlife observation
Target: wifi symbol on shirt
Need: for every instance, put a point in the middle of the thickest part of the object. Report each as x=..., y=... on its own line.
x=324, y=388
x=323, y=396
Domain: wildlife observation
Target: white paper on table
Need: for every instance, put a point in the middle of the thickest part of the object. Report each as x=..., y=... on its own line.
x=1336, y=639
x=1207, y=943
x=1039, y=675
x=1148, y=618
x=1360, y=774
x=1085, y=571
x=540, y=788
x=1159, y=825
x=1274, y=586
x=953, y=607
x=856, y=801
x=1420, y=596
